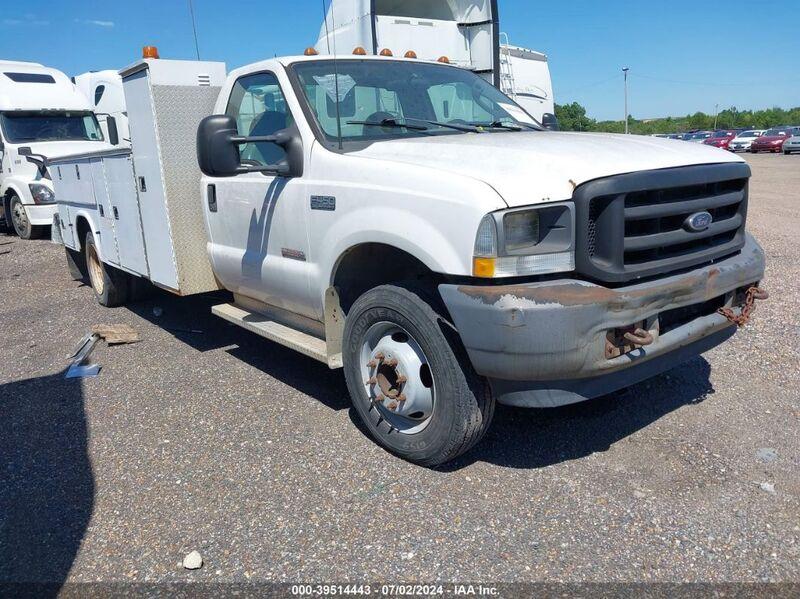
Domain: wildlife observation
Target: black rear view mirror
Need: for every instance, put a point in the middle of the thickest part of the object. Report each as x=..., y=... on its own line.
x=549, y=121
x=218, y=142
x=113, y=132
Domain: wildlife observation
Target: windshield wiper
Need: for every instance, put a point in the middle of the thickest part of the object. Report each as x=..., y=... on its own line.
x=389, y=123
x=468, y=127
x=507, y=126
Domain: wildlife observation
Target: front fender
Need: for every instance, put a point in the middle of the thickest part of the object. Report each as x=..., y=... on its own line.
x=17, y=186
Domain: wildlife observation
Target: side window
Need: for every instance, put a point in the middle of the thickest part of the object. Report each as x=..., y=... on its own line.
x=98, y=94
x=259, y=107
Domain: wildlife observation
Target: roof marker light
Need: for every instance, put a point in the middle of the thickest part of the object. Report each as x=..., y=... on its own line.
x=444, y=60
x=150, y=52
x=310, y=52
x=386, y=52
x=411, y=54
x=359, y=51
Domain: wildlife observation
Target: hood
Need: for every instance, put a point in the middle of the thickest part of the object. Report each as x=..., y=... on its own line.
x=541, y=166
x=771, y=138
x=59, y=149
x=53, y=149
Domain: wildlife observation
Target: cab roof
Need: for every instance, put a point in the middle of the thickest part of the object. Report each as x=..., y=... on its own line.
x=31, y=86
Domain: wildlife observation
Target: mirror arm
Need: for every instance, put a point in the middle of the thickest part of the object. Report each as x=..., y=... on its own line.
x=277, y=169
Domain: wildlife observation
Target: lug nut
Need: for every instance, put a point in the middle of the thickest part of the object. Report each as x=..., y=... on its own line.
x=379, y=399
x=372, y=381
x=402, y=379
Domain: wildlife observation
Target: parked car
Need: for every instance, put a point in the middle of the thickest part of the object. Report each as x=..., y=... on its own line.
x=699, y=137
x=745, y=139
x=793, y=143
x=721, y=139
x=772, y=140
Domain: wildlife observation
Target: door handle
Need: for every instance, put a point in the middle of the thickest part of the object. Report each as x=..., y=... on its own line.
x=212, y=198
x=116, y=213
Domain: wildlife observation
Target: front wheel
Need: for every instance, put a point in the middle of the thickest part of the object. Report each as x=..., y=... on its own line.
x=111, y=286
x=414, y=389
x=19, y=220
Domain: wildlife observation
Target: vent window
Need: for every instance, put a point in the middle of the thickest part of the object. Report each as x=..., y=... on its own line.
x=30, y=77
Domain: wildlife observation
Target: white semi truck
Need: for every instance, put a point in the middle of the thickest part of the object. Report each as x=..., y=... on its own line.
x=103, y=90
x=466, y=32
x=41, y=114
x=409, y=223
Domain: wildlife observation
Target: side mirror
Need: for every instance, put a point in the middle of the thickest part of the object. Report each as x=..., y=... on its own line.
x=218, y=142
x=549, y=121
x=37, y=159
x=113, y=132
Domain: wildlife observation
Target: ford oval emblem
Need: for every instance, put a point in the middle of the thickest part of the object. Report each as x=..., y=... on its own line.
x=698, y=222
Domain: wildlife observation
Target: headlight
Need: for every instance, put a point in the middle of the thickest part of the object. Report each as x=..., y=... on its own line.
x=42, y=194
x=516, y=243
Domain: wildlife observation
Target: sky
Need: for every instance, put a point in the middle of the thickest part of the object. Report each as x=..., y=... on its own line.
x=684, y=56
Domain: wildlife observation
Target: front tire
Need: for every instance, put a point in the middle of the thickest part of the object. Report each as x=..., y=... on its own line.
x=19, y=220
x=413, y=388
x=111, y=286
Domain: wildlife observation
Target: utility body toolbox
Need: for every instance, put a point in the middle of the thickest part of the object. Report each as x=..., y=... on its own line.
x=145, y=201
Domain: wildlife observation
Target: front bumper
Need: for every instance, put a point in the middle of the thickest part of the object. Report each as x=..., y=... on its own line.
x=41, y=214
x=544, y=344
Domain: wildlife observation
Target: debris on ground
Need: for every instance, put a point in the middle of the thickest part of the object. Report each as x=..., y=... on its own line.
x=767, y=455
x=193, y=561
x=78, y=367
x=158, y=311
x=768, y=487
x=116, y=334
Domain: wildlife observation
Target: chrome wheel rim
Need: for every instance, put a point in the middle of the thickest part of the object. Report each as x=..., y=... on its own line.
x=95, y=270
x=398, y=378
x=19, y=219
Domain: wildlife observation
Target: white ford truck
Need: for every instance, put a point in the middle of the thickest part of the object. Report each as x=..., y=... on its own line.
x=410, y=223
x=41, y=113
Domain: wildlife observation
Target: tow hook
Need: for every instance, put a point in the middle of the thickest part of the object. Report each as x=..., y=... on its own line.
x=753, y=295
x=624, y=340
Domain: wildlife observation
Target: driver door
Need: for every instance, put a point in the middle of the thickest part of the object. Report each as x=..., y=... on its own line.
x=257, y=222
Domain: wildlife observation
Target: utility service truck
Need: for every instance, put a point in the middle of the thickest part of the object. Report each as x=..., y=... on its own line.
x=409, y=223
x=467, y=32
x=41, y=114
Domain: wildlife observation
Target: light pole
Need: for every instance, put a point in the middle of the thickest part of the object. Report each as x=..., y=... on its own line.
x=625, y=70
x=716, y=114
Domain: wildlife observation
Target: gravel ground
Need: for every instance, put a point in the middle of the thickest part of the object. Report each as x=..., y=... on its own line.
x=224, y=443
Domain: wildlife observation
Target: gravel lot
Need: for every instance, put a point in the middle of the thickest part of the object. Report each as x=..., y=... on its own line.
x=224, y=443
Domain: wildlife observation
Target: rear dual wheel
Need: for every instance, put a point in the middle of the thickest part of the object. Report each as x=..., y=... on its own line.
x=412, y=386
x=111, y=286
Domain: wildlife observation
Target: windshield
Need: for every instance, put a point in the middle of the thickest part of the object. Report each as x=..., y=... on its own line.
x=23, y=127
x=775, y=133
x=701, y=136
x=378, y=98
x=720, y=134
x=748, y=134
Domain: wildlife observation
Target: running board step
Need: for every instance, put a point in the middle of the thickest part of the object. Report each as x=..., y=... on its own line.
x=266, y=327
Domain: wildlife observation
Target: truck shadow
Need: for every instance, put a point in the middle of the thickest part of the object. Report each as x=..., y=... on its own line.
x=47, y=490
x=518, y=438
x=536, y=438
x=190, y=321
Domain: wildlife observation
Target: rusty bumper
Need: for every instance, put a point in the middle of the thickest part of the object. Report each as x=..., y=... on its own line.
x=546, y=344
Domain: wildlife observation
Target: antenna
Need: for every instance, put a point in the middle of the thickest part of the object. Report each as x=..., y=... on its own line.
x=194, y=30
x=335, y=70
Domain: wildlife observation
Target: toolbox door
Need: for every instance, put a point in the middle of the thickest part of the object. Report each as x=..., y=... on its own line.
x=105, y=216
x=121, y=184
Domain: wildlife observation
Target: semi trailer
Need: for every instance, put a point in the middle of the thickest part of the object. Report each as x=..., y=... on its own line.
x=409, y=223
x=466, y=32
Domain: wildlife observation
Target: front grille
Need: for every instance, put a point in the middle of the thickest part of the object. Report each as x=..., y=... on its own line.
x=634, y=226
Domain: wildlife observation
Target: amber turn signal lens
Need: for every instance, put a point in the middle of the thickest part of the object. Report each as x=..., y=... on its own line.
x=359, y=51
x=483, y=267
x=150, y=52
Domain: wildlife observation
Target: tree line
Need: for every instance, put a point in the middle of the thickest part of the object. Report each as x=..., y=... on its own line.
x=572, y=117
